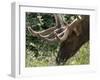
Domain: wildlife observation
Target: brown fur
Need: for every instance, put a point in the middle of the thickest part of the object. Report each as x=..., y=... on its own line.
x=77, y=37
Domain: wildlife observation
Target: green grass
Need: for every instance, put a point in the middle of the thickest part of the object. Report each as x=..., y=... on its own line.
x=47, y=56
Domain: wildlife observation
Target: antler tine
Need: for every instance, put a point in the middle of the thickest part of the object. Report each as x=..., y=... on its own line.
x=44, y=32
x=34, y=33
x=56, y=36
x=49, y=39
x=58, y=20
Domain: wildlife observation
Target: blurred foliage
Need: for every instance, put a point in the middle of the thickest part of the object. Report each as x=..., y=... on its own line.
x=42, y=53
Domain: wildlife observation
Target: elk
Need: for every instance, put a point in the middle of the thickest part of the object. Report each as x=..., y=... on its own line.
x=70, y=36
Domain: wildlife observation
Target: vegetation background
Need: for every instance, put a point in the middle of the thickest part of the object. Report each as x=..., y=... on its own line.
x=42, y=53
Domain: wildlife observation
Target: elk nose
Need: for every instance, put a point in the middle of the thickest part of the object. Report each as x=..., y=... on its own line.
x=60, y=61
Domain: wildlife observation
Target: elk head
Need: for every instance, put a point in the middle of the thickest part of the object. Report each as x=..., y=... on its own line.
x=70, y=36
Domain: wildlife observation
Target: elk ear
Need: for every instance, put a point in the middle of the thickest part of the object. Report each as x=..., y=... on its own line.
x=77, y=30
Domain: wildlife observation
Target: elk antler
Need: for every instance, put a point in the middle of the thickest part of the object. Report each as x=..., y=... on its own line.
x=58, y=33
x=45, y=32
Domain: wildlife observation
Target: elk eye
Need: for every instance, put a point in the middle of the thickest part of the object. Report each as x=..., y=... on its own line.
x=74, y=33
